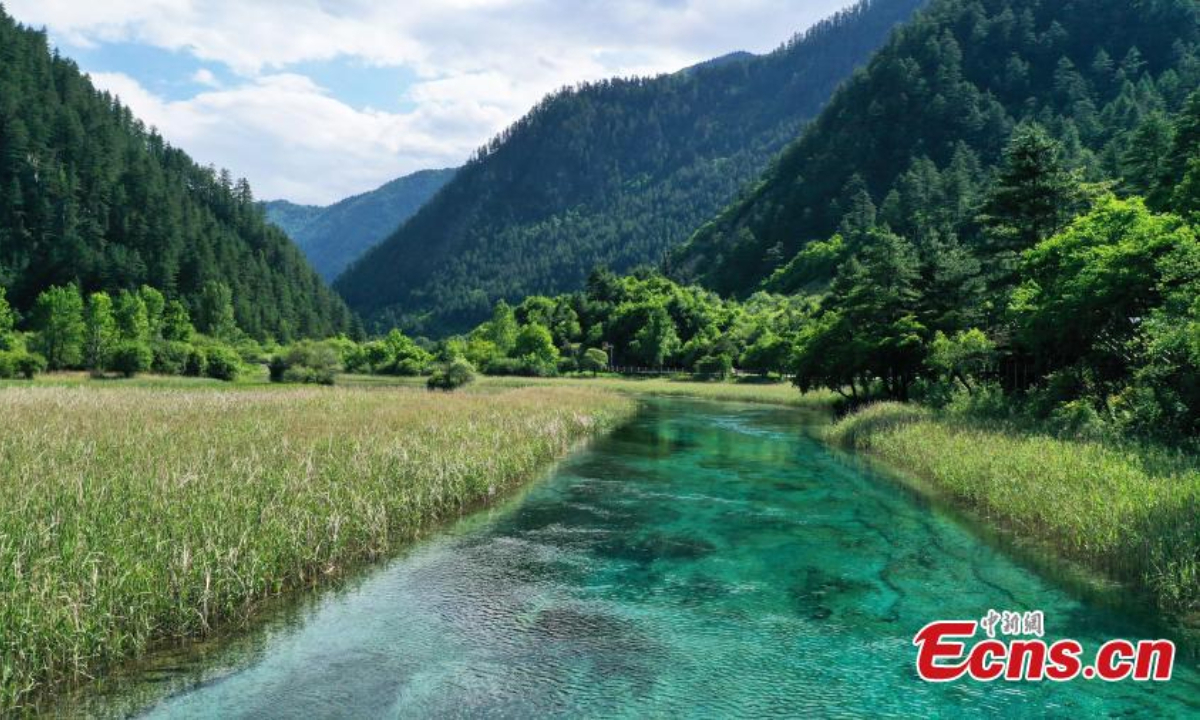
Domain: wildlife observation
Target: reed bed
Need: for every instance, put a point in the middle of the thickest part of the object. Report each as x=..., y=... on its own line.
x=1128, y=510
x=768, y=393
x=134, y=515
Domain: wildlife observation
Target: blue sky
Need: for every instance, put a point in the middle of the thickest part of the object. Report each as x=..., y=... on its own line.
x=315, y=100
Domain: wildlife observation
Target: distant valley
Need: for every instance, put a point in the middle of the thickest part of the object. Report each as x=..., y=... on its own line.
x=332, y=237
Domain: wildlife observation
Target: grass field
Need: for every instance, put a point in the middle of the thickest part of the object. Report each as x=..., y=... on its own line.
x=772, y=393
x=133, y=514
x=1131, y=512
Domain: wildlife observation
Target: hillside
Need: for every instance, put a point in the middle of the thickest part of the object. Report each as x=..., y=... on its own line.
x=944, y=96
x=606, y=174
x=88, y=194
x=333, y=237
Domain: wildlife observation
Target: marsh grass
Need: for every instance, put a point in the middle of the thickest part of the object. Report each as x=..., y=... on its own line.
x=133, y=515
x=770, y=393
x=1128, y=510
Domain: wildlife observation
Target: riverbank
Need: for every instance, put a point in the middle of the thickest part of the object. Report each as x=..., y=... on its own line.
x=1131, y=512
x=141, y=514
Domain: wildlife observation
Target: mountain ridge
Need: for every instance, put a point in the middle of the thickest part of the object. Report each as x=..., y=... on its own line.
x=604, y=174
x=962, y=74
x=89, y=195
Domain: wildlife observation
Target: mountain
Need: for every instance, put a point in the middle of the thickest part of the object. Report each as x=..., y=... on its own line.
x=88, y=194
x=333, y=237
x=611, y=174
x=944, y=96
x=290, y=217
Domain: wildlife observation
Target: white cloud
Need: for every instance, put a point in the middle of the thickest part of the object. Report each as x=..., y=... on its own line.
x=480, y=64
x=205, y=77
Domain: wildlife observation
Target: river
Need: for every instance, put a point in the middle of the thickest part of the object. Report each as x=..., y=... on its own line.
x=707, y=560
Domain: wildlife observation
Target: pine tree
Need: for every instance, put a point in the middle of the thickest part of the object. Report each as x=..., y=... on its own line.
x=1033, y=198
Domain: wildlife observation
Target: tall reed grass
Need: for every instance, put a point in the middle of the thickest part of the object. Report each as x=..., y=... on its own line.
x=770, y=393
x=131, y=515
x=1128, y=510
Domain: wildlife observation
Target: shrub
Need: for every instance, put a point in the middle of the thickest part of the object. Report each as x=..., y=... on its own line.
x=171, y=357
x=527, y=366
x=130, y=358
x=196, y=364
x=29, y=364
x=223, y=363
x=307, y=362
x=594, y=360
x=408, y=367
x=1079, y=420
x=452, y=375
x=8, y=365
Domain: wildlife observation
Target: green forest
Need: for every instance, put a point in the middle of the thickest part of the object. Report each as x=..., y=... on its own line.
x=92, y=197
x=611, y=174
x=1036, y=251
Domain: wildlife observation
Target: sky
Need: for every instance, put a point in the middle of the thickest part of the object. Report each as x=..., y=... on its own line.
x=317, y=100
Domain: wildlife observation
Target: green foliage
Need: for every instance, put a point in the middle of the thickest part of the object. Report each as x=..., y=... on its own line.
x=769, y=353
x=196, y=363
x=90, y=195
x=719, y=367
x=130, y=357
x=964, y=358
x=1089, y=289
x=8, y=322
x=1033, y=198
x=451, y=375
x=100, y=331
x=222, y=363
x=171, y=358
x=502, y=330
x=871, y=328
x=656, y=340
x=177, y=323
x=155, y=304
x=395, y=354
x=813, y=265
x=594, y=360
x=133, y=321
x=307, y=361
x=29, y=364
x=214, y=313
x=609, y=174
x=58, y=319
x=535, y=343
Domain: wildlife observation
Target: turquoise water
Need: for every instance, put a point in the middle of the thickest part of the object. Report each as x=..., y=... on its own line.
x=705, y=561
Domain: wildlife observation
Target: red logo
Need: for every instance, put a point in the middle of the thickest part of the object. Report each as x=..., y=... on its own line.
x=948, y=651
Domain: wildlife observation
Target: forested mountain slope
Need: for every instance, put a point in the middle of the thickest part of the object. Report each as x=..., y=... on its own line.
x=606, y=174
x=333, y=237
x=89, y=195
x=917, y=134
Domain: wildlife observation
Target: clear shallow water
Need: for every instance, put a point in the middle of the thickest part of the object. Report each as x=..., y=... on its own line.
x=705, y=561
